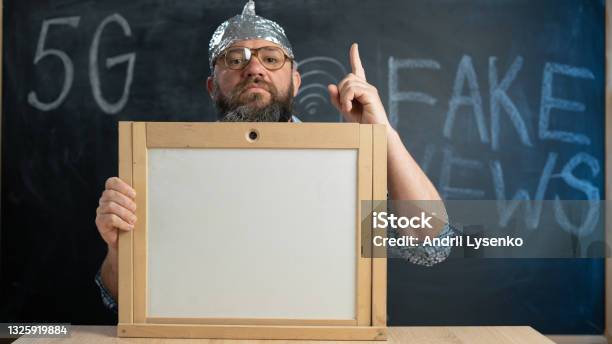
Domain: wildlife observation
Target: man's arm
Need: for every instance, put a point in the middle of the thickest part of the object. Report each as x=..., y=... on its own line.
x=406, y=180
x=109, y=273
x=358, y=101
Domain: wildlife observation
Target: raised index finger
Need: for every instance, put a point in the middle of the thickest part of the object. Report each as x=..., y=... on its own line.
x=356, y=62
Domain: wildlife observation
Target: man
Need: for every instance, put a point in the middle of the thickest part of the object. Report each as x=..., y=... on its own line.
x=254, y=78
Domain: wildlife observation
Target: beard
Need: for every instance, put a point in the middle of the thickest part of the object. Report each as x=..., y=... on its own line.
x=242, y=107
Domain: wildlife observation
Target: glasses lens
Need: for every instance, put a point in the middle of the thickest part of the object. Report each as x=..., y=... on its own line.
x=272, y=57
x=237, y=58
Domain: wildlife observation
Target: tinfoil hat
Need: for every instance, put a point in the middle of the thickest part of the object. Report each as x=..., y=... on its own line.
x=247, y=25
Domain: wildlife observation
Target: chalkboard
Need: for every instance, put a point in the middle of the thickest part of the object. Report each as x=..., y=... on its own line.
x=491, y=97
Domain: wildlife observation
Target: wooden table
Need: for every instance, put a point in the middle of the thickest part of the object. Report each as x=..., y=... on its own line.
x=428, y=335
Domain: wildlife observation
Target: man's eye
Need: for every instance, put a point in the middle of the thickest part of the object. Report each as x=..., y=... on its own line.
x=271, y=60
x=235, y=62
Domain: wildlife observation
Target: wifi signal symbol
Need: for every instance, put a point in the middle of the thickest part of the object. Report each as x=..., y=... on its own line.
x=312, y=99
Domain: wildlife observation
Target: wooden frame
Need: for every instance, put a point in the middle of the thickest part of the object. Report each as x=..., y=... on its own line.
x=135, y=138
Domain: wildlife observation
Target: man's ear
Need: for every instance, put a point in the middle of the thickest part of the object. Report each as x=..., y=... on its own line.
x=210, y=85
x=297, y=81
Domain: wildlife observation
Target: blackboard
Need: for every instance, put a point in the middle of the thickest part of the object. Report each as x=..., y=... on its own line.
x=472, y=87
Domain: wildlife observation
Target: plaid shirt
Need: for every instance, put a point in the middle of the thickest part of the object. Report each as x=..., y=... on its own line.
x=107, y=298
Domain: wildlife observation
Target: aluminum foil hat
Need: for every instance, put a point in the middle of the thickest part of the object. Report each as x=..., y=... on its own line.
x=245, y=26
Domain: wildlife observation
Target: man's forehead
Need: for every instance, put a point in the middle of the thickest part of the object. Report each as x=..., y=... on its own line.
x=254, y=43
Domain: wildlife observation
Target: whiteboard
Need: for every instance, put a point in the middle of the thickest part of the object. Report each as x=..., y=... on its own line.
x=252, y=233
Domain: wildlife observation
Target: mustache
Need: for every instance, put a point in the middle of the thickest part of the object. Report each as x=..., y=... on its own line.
x=243, y=85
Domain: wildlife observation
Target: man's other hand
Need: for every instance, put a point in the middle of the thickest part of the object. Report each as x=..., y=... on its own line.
x=355, y=98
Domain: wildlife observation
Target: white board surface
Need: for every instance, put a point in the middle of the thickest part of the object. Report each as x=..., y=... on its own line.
x=252, y=233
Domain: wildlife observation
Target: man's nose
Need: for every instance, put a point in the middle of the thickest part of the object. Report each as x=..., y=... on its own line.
x=254, y=68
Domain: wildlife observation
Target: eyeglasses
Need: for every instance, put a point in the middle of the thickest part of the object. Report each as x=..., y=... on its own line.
x=271, y=57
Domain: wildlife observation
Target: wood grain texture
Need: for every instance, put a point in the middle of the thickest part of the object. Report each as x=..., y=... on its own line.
x=125, y=237
x=396, y=335
x=379, y=193
x=472, y=335
x=269, y=135
x=253, y=332
x=252, y=321
x=139, y=134
x=364, y=264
